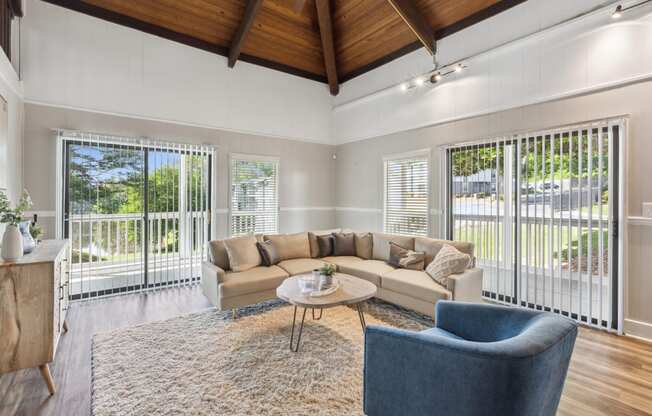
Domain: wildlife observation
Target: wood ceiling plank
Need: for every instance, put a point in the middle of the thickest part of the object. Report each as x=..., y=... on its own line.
x=416, y=22
x=324, y=17
x=250, y=13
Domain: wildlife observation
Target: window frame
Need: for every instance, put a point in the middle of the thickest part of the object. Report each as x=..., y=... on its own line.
x=426, y=154
x=253, y=158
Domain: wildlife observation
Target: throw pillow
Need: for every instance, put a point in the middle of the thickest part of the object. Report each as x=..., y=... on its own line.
x=312, y=238
x=268, y=253
x=343, y=244
x=403, y=258
x=448, y=261
x=325, y=244
x=218, y=254
x=291, y=246
x=363, y=245
x=243, y=253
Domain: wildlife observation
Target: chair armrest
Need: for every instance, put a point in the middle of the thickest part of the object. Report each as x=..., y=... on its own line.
x=408, y=373
x=467, y=286
x=411, y=373
x=211, y=277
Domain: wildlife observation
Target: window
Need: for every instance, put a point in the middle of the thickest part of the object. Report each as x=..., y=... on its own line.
x=254, y=194
x=406, y=194
x=540, y=209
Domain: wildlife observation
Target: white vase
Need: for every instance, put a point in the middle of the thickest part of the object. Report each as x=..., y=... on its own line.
x=12, y=244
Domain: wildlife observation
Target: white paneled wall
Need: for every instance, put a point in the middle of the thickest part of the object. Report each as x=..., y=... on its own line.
x=77, y=61
x=592, y=53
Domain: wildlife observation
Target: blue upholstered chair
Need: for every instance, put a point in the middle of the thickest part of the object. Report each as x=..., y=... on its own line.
x=478, y=360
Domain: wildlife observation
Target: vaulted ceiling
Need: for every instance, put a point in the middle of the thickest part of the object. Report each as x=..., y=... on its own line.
x=326, y=40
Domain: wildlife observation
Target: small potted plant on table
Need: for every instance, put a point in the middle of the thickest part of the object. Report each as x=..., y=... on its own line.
x=12, y=240
x=326, y=276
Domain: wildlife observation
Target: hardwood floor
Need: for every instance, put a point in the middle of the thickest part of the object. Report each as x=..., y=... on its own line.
x=609, y=375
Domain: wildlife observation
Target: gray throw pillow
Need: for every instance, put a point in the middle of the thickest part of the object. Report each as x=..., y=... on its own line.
x=403, y=258
x=363, y=245
x=343, y=244
x=325, y=244
x=268, y=253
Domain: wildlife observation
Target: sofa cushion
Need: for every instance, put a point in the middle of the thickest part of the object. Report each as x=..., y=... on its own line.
x=325, y=243
x=243, y=253
x=431, y=247
x=301, y=266
x=312, y=240
x=291, y=246
x=381, y=241
x=337, y=260
x=253, y=280
x=218, y=254
x=448, y=261
x=416, y=284
x=343, y=244
x=363, y=245
x=268, y=253
x=369, y=270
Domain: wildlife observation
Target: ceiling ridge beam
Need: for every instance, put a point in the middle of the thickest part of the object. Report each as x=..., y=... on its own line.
x=243, y=30
x=325, y=19
x=407, y=10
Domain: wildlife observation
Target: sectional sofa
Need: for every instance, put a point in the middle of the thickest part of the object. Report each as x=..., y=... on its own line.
x=412, y=289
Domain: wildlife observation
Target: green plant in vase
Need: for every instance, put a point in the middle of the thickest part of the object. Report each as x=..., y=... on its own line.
x=326, y=272
x=12, y=240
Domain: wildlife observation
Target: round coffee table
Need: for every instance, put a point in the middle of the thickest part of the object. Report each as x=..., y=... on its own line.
x=352, y=291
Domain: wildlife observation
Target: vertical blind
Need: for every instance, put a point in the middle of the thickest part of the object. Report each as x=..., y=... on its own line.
x=136, y=211
x=542, y=211
x=254, y=194
x=406, y=194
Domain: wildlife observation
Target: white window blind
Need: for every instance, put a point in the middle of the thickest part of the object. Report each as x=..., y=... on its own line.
x=254, y=194
x=406, y=194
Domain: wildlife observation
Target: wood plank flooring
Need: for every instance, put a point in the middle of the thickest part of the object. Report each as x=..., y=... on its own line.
x=609, y=375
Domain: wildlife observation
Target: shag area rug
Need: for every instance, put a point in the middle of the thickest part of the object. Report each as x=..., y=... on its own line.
x=209, y=364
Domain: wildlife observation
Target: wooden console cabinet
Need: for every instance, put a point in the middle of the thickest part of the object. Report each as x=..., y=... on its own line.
x=33, y=303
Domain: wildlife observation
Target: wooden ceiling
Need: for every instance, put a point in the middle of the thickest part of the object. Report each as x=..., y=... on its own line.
x=325, y=40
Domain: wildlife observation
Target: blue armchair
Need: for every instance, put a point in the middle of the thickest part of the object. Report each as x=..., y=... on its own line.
x=479, y=360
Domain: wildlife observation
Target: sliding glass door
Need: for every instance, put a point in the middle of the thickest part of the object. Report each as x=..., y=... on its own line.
x=137, y=213
x=542, y=211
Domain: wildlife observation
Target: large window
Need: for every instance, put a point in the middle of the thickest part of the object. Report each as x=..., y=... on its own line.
x=406, y=193
x=541, y=209
x=254, y=194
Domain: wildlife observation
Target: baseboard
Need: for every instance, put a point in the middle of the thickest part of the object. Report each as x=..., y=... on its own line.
x=638, y=329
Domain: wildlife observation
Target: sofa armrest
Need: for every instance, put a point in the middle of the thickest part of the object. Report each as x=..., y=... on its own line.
x=467, y=286
x=211, y=277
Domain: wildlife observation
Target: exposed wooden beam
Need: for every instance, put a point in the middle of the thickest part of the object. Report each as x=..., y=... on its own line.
x=241, y=34
x=325, y=19
x=417, y=23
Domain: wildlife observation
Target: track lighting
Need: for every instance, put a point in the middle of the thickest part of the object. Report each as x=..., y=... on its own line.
x=404, y=86
x=618, y=12
x=419, y=82
x=459, y=68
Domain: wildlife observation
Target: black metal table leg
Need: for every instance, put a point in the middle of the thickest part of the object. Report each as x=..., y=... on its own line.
x=294, y=320
x=361, y=316
x=321, y=312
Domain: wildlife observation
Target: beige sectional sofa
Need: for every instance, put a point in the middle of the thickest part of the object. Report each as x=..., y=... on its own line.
x=412, y=289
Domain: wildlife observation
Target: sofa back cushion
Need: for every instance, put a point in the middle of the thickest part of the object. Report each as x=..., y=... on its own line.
x=431, y=247
x=364, y=245
x=243, y=253
x=312, y=239
x=381, y=242
x=291, y=246
x=343, y=244
x=218, y=254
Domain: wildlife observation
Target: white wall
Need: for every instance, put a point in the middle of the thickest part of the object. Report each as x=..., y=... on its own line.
x=73, y=60
x=11, y=89
x=590, y=54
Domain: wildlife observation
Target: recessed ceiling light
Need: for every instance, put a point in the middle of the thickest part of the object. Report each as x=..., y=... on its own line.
x=618, y=12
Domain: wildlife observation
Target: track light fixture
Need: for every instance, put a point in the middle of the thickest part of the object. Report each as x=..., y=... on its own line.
x=618, y=13
x=432, y=77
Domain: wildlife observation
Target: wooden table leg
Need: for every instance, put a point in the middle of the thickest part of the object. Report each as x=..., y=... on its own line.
x=47, y=376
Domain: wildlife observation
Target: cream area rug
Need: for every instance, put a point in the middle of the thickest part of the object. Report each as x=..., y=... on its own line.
x=209, y=364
